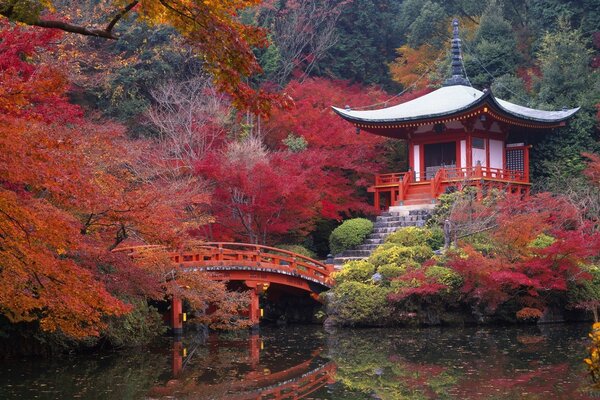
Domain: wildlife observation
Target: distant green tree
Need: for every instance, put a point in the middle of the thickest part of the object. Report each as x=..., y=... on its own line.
x=493, y=52
x=143, y=57
x=367, y=40
x=567, y=81
x=423, y=21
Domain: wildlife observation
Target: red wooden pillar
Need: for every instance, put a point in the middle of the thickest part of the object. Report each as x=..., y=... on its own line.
x=256, y=288
x=176, y=316
x=526, y=163
x=177, y=358
x=254, y=309
x=376, y=200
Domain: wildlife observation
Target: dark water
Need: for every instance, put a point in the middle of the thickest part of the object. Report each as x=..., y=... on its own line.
x=307, y=363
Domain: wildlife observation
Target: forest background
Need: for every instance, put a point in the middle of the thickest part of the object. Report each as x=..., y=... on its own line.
x=162, y=131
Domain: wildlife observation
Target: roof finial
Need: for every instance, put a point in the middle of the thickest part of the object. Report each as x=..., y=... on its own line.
x=458, y=76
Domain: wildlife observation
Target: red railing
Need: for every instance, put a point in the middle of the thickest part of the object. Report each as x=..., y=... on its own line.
x=436, y=183
x=479, y=172
x=398, y=183
x=454, y=174
x=255, y=256
x=389, y=179
x=404, y=185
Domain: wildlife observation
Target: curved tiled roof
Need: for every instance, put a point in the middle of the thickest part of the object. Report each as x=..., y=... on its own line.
x=449, y=100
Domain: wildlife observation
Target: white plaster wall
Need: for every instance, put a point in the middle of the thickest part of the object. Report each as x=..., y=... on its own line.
x=417, y=160
x=463, y=153
x=496, y=153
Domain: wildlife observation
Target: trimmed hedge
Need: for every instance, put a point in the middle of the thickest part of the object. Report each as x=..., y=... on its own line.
x=349, y=234
x=355, y=271
x=359, y=304
x=400, y=255
x=415, y=236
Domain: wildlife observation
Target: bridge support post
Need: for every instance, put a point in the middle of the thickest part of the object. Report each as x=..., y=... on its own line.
x=254, y=309
x=176, y=316
x=256, y=288
x=177, y=358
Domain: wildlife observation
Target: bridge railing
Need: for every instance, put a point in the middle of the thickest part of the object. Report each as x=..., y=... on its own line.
x=246, y=254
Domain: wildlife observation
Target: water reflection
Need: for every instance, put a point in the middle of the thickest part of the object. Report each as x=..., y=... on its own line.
x=249, y=367
x=307, y=363
x=508, y=363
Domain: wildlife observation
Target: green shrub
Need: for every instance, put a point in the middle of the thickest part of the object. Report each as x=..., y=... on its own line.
x=355, y=303
x=436, y=238
x=415, y=236
x=542, y=241
x=445, y=203
x=390, y=271
x=349, y=234
x=140, y=326
x=409, y=236
x=585, y=292
x=482, y=242
x=355, y=271
x=400, y=255
x=445, y=276
x=298, y=249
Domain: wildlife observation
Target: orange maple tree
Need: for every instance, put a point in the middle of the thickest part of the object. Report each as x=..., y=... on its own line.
x=70, y=191
x=213, y=28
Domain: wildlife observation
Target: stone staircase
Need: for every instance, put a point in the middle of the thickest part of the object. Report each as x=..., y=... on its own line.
x=385, y=224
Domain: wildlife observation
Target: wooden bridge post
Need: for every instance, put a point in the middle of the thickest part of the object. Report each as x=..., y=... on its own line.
x=177, y=358
x=254, y=309
x=176, y=316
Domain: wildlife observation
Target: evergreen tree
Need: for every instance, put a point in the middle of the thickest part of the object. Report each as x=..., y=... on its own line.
x=567, y=81
x=367, y=40
x=493, y=52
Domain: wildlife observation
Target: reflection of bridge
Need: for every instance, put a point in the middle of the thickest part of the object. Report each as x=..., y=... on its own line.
x=255, y=266
x=296, y=382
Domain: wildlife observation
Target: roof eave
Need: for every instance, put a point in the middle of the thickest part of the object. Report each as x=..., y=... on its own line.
x=465, y=108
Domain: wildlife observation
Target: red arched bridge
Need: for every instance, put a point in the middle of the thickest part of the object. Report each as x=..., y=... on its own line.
x=256, y=266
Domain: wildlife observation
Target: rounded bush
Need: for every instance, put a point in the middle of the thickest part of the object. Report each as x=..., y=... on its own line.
x=355, y=271
x=349, y=234
x=415, y=236
x=400, y=255
x=436, y=238
x=445, y=276
x=298, y=249
x=409, y=236
x=390, y=271
x=355, y=303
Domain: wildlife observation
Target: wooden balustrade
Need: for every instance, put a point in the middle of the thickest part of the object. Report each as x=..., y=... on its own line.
x=217, y=254
x=397, y=184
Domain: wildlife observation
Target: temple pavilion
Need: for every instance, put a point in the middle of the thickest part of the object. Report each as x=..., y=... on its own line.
x=456, y=136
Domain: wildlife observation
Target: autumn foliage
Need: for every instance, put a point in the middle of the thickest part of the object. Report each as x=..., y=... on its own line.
x=71, y=190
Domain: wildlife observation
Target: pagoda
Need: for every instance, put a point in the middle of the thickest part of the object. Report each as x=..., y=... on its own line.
x=456, y=136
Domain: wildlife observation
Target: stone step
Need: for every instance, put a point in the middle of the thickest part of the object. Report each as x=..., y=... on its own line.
x=388, y=224
x=413, y=202
x=356, y=253
x=378, y=235
x=369, y=247
x=385, y=230
x=420, y=212
x=338, y=261
x=372, y=240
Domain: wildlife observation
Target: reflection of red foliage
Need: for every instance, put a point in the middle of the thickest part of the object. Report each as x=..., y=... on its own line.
x=540, y=381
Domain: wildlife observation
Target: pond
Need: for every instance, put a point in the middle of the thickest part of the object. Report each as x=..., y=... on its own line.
x=305, y=362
